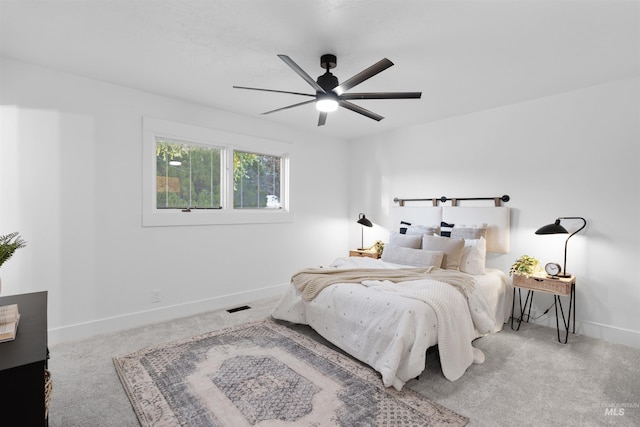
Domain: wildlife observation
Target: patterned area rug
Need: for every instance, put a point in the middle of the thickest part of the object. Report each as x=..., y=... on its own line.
x=265, y=374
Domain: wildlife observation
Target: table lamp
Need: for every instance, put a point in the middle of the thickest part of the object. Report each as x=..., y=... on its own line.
x=364, y=222
x=556, y=228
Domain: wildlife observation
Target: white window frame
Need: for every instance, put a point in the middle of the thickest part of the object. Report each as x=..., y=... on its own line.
x=228, y=141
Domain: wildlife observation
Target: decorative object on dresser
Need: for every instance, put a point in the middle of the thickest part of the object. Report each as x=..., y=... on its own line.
x=9, y=244
x=9, y=319
x=265, y=373
x=364, y=222
x=557, y=286
x=556, y=228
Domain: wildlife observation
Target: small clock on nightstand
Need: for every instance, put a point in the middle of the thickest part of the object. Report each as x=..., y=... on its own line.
x=553, y=269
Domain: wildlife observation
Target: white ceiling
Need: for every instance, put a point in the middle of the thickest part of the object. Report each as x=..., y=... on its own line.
x=464, y=56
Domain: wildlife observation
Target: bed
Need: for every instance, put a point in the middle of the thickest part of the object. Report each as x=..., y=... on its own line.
x=387, y=312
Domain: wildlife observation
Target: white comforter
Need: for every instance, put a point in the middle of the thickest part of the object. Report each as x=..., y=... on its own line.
x=390, y=326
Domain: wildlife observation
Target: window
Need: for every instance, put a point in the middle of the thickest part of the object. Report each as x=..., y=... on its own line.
x=198, y=176
x=187, y=175
x=256, y=180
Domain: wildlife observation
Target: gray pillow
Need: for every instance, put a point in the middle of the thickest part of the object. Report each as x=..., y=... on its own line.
x=469, y=233
x=405, y=240
x=423, y=229
x=412, y=257
x=452, y=249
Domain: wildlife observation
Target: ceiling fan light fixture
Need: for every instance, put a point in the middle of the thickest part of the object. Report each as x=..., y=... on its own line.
x=327, y=103
x=330, y=95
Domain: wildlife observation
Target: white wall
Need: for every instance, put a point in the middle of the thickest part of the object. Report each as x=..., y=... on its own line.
x=573, y=154
x=71, y=183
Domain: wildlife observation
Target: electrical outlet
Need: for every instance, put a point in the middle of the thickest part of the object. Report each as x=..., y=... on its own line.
x=156, y=296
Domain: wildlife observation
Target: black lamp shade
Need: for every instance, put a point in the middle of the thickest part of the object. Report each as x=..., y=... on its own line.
x=362, y=220
x=554, y=228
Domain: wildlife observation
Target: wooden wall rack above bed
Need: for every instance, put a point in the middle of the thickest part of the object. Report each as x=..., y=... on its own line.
x=454, y=200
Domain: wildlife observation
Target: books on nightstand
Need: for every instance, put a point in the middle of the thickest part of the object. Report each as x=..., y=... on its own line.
x=9, y=319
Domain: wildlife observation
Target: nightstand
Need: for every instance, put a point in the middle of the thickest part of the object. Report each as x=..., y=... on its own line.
x=557, y=286
x=364, y=253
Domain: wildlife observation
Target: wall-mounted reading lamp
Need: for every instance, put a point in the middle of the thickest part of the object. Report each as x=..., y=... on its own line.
x=556, y=228
x=364, y=222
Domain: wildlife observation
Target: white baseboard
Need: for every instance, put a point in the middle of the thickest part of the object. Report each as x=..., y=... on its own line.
x=117, y=323
x=609, y=333
x=612, y=334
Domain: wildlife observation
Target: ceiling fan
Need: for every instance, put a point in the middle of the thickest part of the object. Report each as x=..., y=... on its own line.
x=330, y=94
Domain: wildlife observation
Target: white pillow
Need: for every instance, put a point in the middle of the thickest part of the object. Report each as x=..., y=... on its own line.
x=405, y=240
x=412, y=257
x=452, y=249
x=474, y=255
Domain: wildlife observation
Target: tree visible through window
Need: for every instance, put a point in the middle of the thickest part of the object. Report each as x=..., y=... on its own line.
x=256, y=180
x=187, y=175
x=193, y=175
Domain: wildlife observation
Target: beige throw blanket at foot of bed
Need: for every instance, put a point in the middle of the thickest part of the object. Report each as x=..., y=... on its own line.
x=311, y=281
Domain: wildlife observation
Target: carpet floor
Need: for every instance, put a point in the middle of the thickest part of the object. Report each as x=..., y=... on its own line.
x=528, y=378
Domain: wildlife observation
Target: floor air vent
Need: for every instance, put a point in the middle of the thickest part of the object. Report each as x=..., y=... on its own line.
x=233, y=310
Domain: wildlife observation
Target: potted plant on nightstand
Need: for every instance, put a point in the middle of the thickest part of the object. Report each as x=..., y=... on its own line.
x=378, y=246
x=525, y=265
x=9, y=244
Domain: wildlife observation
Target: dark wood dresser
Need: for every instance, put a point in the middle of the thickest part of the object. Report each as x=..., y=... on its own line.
x=23, y=362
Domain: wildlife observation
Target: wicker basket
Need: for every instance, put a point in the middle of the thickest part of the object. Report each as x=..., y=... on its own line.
x=558, y=286
x=48, y=389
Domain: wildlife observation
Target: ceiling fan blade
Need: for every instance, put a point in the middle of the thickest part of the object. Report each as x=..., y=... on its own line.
x=382, y=95
x=290, y=106
x=322, y=118
x=273, y=90
x=295, y=67
x=356, y=108
x=376, y=68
